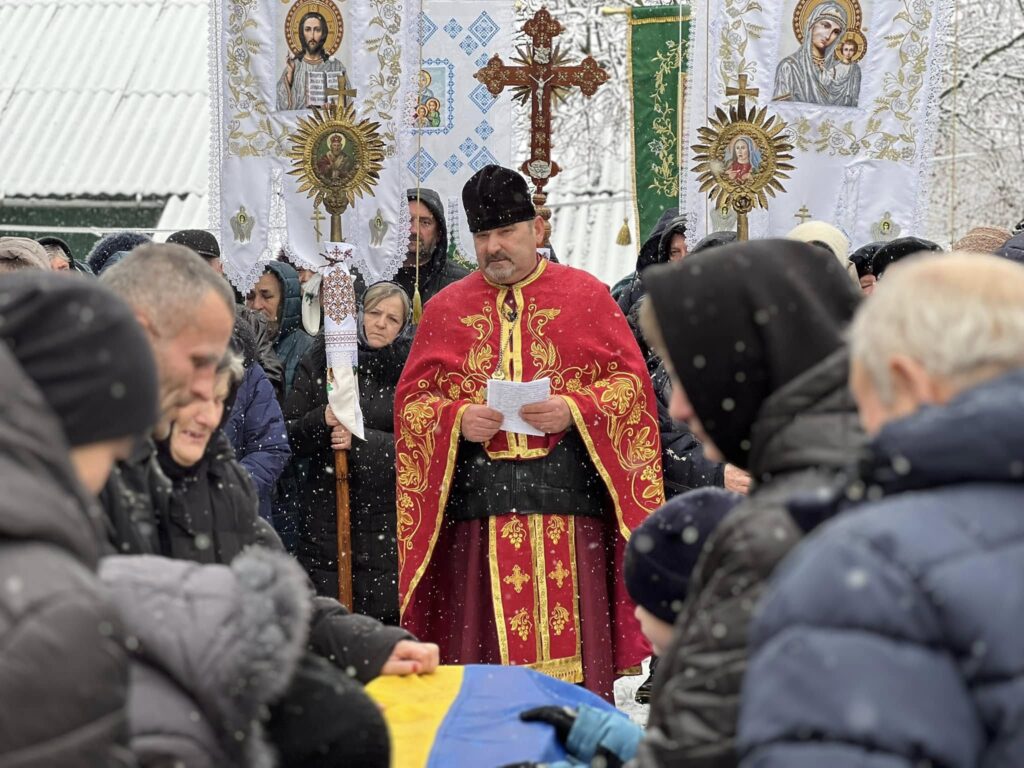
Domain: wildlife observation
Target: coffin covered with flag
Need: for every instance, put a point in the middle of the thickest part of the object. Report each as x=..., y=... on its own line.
x=469, y=716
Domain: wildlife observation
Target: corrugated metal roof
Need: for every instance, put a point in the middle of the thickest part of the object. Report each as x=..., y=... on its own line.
x=103, y=97
x=189, y=212
x=110, y=97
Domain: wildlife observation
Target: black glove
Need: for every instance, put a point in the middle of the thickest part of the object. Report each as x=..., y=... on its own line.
x=561, y=718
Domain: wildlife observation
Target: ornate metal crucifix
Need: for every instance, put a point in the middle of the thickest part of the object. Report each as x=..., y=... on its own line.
x=541, y=75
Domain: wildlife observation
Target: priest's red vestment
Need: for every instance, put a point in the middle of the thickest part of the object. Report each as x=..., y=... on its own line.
x=543, y=590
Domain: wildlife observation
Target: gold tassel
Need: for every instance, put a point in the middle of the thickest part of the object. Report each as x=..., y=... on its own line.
x=417, y=306
x=624, y=237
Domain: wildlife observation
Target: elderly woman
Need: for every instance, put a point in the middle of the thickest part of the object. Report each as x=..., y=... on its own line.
x=314, y=431
x=213, y=505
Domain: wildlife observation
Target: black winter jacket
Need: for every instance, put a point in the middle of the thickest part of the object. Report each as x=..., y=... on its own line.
x=358, y=644
x=371, y=478
x=213, y=509
x=806, y=433
x=682, y=455
x=64, y=671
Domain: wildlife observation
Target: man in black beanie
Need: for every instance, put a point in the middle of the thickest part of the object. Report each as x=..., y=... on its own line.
x=484, y=489
x=80, y=386
x=900, y=248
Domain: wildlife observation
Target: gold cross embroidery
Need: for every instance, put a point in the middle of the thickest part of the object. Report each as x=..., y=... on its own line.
x=559, y=574
x=517, y=579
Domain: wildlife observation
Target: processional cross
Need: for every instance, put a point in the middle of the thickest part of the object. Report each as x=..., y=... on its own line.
x=541, y=75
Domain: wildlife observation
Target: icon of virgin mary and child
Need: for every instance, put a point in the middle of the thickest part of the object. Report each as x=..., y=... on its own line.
x=822, y=70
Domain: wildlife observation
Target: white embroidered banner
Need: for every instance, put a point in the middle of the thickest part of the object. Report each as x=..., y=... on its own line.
x=459, y=126
x=856, y=80
x=270, y=59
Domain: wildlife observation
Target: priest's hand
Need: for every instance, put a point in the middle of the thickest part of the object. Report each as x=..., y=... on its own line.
x=550, y=416
x=480, y=423
x=410, y=657
x=341, y=438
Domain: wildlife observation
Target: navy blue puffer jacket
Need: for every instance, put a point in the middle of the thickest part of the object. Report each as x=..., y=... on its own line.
x=894, y=637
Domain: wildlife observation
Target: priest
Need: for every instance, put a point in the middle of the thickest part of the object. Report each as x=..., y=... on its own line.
x=510, y=545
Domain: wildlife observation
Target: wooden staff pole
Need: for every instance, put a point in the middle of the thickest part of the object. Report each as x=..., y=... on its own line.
x=343, y=507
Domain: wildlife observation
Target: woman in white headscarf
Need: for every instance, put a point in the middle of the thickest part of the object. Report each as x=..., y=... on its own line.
x=807, y=75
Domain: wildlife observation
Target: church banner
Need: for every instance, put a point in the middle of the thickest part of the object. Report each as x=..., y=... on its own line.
x=856, y=82
x=459, y=126
x=270, y=61
x=656, y=47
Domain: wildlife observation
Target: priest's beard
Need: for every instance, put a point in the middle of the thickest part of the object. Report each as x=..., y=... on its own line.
x=499, y=268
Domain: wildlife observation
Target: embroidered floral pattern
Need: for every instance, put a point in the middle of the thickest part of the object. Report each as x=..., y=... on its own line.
x=555, y=529
x=559, y=618
x=521, y=624
x=514, y=531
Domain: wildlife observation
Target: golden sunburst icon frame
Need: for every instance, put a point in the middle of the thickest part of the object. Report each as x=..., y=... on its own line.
x=752, y=189
x=339, y=190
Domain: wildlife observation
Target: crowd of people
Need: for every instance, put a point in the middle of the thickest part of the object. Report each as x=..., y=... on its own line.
x=789, y=469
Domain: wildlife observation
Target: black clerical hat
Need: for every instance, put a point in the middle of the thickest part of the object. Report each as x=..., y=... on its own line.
x=496, y=197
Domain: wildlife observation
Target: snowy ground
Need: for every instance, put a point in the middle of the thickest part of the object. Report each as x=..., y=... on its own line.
x=625, y=691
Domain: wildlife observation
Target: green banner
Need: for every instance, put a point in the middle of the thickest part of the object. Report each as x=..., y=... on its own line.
x=658, y=39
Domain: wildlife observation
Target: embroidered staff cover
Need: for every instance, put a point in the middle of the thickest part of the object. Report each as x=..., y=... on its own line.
x=568, y=329
x=856, y=80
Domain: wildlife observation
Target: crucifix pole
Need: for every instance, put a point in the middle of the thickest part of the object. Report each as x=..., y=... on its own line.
x=541, y=76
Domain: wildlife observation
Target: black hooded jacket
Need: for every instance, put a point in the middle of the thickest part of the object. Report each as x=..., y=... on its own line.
x=292, y=341
x=439, y=272
x=650, y=254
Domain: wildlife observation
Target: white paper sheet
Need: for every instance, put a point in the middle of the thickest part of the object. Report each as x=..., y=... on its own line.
x=508, y=397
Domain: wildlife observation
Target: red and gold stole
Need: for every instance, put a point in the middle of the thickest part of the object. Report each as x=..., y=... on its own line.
x=565, y=327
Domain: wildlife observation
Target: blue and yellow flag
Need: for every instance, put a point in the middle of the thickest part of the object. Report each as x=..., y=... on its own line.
x=469, y=716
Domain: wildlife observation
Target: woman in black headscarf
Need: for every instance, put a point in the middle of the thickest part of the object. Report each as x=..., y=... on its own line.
x=753, y=336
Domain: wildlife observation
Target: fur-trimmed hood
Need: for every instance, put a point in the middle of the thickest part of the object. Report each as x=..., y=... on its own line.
x=228, y=637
